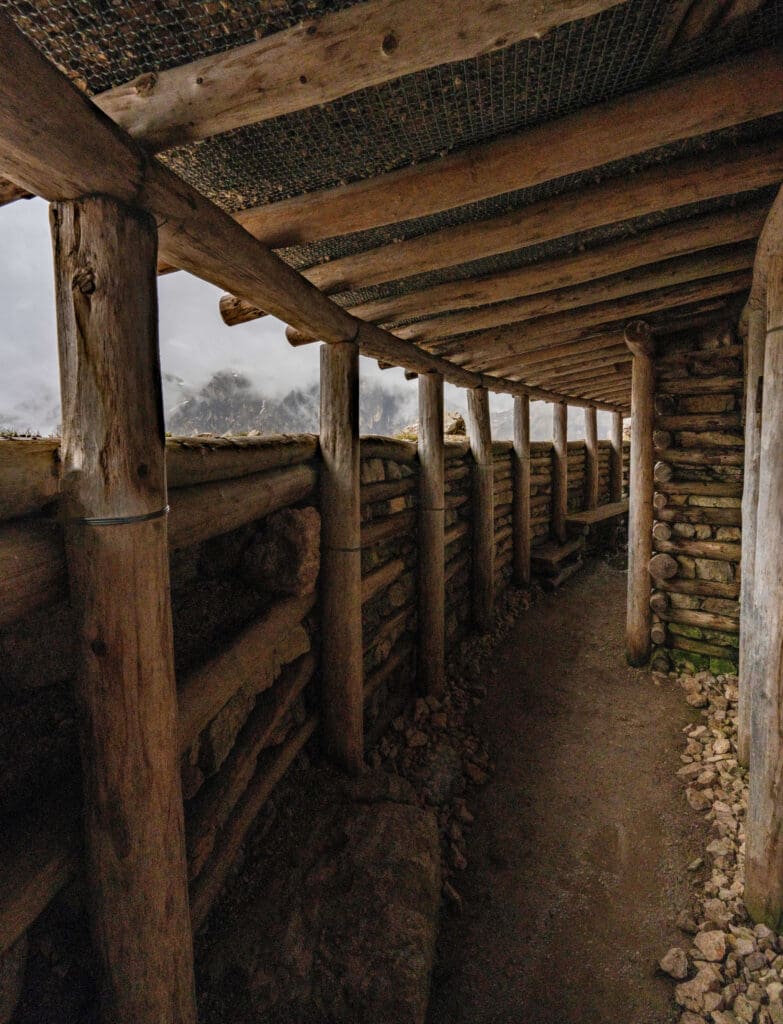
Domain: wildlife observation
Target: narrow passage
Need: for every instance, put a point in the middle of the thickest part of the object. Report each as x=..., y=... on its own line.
x=578, y=856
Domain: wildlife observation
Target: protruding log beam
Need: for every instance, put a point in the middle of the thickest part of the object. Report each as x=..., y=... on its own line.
x=483, y=509
x=616, y=462
x=559, y=470
x=432, y=620
x=637, y=632
x=591, y=458
x=114, y=495
x=764, y=624
x=520, y=512
x=341, y=559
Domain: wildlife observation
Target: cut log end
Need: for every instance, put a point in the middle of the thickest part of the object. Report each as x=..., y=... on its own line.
x=663, y=567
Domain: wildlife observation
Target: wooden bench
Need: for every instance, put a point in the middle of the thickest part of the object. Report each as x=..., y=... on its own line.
x=600, y=514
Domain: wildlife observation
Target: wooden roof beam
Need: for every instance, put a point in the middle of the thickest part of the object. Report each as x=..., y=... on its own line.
x=732, y=92
x=644, y=248
x=56, y=143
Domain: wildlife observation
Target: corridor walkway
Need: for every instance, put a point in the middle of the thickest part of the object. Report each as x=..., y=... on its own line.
x=578, y=856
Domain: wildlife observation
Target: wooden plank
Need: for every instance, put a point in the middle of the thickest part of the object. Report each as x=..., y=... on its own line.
x=559, y=469
x=591, y=458
x=616, y=472
x=431, y=554
x=551, y=554
x=735, y=91
x=764, y=864
x=114, y=468
x=342, y=703
x=647, y=248
x=640, y=519
x=320, y=60
x=598, y=514
x=480, y=435
x=521, y=498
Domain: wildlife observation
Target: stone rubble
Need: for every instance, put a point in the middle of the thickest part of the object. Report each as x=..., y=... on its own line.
x=434, y=747
x=728, y=970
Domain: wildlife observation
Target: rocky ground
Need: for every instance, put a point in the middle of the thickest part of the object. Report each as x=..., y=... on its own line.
x=728, y=971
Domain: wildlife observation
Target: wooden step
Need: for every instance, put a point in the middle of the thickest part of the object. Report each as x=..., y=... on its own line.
x=553, y=582
x=598, y=515
x=551, y=554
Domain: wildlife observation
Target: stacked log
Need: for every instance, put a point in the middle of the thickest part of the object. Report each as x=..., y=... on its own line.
x=504, y=496
x=458, y=491
x=389, y=564
x=540, y=492
x=577, y=461
x=698, y=487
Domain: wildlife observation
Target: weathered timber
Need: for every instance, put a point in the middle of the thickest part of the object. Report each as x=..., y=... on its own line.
x=272, y=766
x=342, y=705
x=662, y=472
x=431, y=552
x=29, y=475
x=114, y=468
x=385, y=527
x=764, y=831
x=32, y=568
x=591, y=456
x=703, y=620
x=383, y=490
x=662, y=531
x=702, y=457
x=392, y=448
x=599, y=514
x=401, y=655
x=381, y=579
x=662, y=567
x=716, y=488
x=694, y=514
x=685, y=643
x=732, y=92
x=616, y=460
x=707, y=385
x=200, y=460
x=637, y=634
x=521, y=494
x=483, y=514
x=659, y=601
x=700, y=421
x=559, y=470
x=721, y=551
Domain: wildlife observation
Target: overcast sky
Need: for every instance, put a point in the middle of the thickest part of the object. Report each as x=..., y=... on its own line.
x=194, y=341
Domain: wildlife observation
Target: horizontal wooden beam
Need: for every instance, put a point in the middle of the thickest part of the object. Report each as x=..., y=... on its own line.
x=728, y=171
x=681, y=238
x=535, y=334
x=711, y=262
x=322, y=59
x=735, y=91
x=56, y=143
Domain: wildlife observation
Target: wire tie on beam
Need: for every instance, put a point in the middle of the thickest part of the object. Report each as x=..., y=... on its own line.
x=118, y=520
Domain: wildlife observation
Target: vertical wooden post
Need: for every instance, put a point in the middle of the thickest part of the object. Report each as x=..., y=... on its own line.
x=638, y=337
x=764, y=831
x=483, y=509
x=114, y=489
x=748, y=641
x=342, y=702
x=591, y=457
x=616, y=465
x=432, y=621
x=521, y=506
x=559, y=470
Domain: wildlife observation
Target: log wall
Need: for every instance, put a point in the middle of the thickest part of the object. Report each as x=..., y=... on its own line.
x=699, y=448
x=244, y=560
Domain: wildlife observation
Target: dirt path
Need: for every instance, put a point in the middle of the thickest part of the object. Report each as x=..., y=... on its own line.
x=577, y=858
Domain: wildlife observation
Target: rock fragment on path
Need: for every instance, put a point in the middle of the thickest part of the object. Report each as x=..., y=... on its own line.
x=675, y=963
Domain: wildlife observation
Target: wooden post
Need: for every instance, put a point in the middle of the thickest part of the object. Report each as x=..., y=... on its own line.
x=591, y=457
x=764, y=831
x=616, y=474
x=114, y=491
x=559, y=470
x=432, y=621
x=748, y=641
x=638, y=619
x=483, y=509
x=342, y=704
x=521, y=506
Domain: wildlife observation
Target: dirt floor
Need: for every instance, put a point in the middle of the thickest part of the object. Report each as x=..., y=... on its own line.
x=577, y=860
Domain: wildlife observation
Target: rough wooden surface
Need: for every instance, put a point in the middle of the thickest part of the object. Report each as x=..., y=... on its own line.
x=483, y=509
x=341, y=570
x=591, y=459
x=640, y=520
x=521, y=500
x=616, y=471
x=559, y=470
x=113, y=466
x=431, y=552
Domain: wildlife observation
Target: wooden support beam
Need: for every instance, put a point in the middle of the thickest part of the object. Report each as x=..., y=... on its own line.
x=591, y=459
x=520, y=512
x=342, y=704
x=562, y=274
x=764, y=830
x=432, y=619
x=732, y=92
x=320, y=60
x=559, y=470
x=545, y=331
x=729, y=171
x=640, y=519
x=616, y=474
x=114, y=495
x=480, y=435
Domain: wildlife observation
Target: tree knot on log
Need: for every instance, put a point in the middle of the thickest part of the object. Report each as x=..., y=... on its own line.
x=84, y=280
x=145, y=84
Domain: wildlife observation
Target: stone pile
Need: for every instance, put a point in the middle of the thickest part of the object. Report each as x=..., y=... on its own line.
x=435, y=748
x=730, y=972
